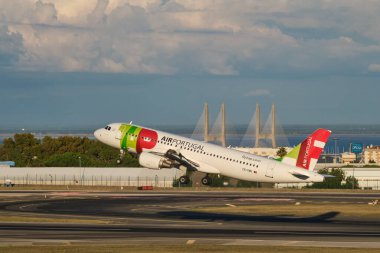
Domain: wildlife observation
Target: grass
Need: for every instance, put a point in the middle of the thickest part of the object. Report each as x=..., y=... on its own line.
x=178, y=248
x=304, y=209
x=12, y=218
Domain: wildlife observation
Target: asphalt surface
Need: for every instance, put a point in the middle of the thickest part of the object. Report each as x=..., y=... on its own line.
x=169, y=218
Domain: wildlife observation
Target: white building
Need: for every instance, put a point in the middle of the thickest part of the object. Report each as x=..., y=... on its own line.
x=372, y=153
x=348, y=157
x=368, y=178
x=90, y=176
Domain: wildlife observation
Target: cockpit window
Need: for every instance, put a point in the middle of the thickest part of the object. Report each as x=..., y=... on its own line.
x=107, y=128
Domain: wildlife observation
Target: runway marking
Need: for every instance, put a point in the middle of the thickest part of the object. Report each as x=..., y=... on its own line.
x=264, y=199
x=22, y=207
x=230, y=205
x=287, y=243
x=190, y=242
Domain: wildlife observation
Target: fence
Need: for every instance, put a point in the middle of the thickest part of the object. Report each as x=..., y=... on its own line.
x=127, y=181
x=365, y=184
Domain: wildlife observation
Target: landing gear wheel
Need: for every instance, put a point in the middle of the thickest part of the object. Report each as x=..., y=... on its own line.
x=121, y=156
x=184, y=180
x=206, y=180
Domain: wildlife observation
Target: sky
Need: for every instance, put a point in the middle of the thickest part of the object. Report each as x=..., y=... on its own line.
x=70, y=63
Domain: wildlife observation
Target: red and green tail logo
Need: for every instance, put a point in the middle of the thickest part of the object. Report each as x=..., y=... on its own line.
x=306, y=154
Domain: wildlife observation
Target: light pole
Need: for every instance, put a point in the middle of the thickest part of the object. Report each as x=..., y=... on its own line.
x=336, y=149
x=80, y=166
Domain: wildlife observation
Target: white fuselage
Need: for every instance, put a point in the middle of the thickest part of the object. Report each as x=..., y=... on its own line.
x=215, y=159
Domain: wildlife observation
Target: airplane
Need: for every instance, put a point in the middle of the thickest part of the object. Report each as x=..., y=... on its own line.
x=159, y=150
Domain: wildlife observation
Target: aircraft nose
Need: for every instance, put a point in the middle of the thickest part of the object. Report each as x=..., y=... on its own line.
x=98, y=134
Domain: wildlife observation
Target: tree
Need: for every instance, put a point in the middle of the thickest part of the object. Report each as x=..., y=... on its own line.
x=281, y=152
x=70, y=160
x=351, y=183
x=330, y=183
x=248, y=184
x=25, y=150
x=218, y=180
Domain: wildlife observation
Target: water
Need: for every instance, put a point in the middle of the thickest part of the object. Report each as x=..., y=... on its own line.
x=364, y=134
x=343, y=142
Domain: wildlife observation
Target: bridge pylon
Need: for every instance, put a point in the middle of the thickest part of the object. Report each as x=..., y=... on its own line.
x=221, y=136
x=259, y=134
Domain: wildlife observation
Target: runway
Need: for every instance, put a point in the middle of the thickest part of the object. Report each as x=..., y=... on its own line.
x=173, y=218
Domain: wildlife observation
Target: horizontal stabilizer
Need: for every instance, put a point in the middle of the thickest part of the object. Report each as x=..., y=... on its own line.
x=299, y=175
x=327, y=176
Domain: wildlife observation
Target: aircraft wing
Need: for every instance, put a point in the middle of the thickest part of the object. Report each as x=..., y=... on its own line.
x=204, y=167
x=191, y=164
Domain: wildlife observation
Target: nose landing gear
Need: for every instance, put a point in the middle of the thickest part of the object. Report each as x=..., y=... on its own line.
x=121, y=156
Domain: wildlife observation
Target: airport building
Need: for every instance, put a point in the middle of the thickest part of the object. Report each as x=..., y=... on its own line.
x=128, y=177
x=372, y=154
x=368, y=178
x=348, y=157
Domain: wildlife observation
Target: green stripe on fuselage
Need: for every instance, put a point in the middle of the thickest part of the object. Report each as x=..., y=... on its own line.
x=129, y=135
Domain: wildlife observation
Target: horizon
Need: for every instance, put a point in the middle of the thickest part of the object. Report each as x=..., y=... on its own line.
x=191, y=128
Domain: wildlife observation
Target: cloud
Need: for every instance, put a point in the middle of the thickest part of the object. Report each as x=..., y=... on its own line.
x=192, y=37
x=258, y=93
x=374, y=67
x=11, y=46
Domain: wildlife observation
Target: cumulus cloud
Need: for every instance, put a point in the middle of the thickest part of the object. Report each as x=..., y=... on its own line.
x=192, y=37
x=11, y=46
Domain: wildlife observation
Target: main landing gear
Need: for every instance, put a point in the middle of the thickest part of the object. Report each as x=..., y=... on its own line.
x=206, y=180
x=184, y=180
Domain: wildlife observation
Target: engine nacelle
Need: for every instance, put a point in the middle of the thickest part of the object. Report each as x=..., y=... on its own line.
x=155, y=162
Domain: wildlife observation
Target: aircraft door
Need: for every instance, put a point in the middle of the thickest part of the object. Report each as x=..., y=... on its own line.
x=270, y=168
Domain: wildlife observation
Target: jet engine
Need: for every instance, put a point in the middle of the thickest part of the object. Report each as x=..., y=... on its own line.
x=155, y=162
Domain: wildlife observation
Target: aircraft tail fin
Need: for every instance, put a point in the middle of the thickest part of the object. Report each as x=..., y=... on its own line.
x=306, y=154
